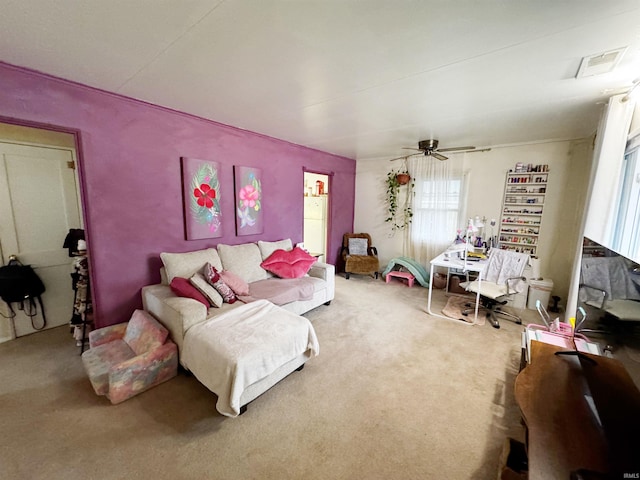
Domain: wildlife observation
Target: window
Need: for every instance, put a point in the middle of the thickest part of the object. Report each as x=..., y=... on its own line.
x=437, y=214
x=441, y=197
x=626, y=235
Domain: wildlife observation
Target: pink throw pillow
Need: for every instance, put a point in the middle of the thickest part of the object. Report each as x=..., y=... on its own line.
x=237, y=284
x=289, y=264
x=213, y=277
x=183, y=288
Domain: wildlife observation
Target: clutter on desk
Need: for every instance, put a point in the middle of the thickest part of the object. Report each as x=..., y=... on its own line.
x=560, y=334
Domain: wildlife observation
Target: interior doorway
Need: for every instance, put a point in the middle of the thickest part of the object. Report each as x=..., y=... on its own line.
x=316, y=214
x=39, y=204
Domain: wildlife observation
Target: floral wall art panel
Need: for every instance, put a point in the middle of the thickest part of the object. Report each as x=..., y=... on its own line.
x=249, y=212
x=201, y=193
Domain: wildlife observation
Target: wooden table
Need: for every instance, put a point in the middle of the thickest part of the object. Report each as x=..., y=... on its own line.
x=564, y=433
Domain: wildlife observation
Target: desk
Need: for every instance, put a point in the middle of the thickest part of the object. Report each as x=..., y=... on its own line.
x=563, y=432
x=453, y=261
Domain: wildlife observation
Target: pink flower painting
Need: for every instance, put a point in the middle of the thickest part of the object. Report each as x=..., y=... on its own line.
x=249, y=212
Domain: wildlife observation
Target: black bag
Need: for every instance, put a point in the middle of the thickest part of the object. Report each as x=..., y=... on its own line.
x=19, y=284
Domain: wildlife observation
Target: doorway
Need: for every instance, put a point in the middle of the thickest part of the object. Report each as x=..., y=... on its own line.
x=316, y=214
x=39, y=204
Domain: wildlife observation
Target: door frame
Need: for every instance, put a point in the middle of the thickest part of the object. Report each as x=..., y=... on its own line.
x=80, y=181
x=329, y=174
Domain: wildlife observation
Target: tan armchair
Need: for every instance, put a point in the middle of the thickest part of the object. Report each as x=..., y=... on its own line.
x=358, y=254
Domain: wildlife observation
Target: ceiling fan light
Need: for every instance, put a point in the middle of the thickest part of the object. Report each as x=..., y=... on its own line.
x=428, y=144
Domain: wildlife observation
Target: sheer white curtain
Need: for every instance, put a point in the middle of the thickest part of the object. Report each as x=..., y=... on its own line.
x=437, y=205
x=604, y=186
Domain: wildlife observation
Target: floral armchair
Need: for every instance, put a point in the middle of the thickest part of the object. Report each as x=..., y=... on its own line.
x=359, y=255
x=129, y=358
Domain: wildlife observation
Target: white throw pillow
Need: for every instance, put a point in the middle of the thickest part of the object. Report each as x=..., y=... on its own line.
x=244, y=260
x=205, y=288
x=267, y=248
x=357, y=246
x=186, y=264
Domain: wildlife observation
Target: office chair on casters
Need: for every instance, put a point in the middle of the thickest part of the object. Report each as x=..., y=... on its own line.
x=501, y=278
x=609, y=285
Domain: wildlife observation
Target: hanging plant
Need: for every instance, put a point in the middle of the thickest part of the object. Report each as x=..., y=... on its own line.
x=399, y=218
x=403, y=178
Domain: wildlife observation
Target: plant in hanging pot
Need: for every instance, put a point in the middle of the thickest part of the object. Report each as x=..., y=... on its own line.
x=403, y=178
x=399, y=211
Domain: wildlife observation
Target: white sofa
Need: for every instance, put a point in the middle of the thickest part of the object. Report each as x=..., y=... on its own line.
x=179, y=314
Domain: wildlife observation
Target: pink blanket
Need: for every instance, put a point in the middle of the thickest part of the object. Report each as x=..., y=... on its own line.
x=280, y=291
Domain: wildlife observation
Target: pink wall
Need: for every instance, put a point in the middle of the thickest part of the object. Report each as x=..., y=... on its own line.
x=130, y=177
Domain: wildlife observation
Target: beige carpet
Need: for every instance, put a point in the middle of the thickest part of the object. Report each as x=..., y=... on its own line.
x=394, y=394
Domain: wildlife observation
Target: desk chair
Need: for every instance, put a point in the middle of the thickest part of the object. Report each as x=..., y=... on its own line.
x=502, y=277
x=610, y=285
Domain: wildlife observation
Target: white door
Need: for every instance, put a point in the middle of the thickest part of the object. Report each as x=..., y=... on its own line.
x=38, y=206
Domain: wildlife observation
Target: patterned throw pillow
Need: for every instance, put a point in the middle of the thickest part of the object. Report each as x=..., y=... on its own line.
x=357, y=246
x=213, y=277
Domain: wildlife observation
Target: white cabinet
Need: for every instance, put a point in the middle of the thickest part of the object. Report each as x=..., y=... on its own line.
x=522, y=209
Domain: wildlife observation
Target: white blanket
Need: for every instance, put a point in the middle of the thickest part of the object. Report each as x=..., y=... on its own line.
x=236, y=349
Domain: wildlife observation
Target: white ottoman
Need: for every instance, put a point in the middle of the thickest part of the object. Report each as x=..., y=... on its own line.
x=242, y=353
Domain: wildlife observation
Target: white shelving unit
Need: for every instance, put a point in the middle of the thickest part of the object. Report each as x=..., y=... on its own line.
x=522, y=209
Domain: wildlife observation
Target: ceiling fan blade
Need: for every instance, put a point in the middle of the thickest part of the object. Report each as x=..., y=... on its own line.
x=405, y=156
x=438, y=156
x=456, y=149
x=411, y=148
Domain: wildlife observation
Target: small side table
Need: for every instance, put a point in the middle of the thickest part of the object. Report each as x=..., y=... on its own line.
x=394, y=273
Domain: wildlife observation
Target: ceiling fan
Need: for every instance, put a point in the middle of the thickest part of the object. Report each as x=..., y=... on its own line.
x=430, y=148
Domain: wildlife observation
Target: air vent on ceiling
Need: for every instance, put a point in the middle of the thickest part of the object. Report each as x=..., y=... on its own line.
x=600, y=63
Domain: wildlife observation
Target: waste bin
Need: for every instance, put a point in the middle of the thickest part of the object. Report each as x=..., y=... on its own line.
x=539, y=290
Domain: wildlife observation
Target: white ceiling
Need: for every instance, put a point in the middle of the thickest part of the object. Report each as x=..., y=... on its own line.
x=352, y=77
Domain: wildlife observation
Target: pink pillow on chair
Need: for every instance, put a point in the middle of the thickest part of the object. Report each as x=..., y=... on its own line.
x=183, y=288
x=289, y=264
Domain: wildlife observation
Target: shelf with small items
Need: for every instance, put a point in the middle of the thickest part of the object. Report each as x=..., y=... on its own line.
x=531, y=250
x=520, y=204
x=529, y=233
x=537, y=190
x=518, y=240
x=519, y=221
x=529, y=178
x=520, y=213
x=593, y=249
x=522, y=207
